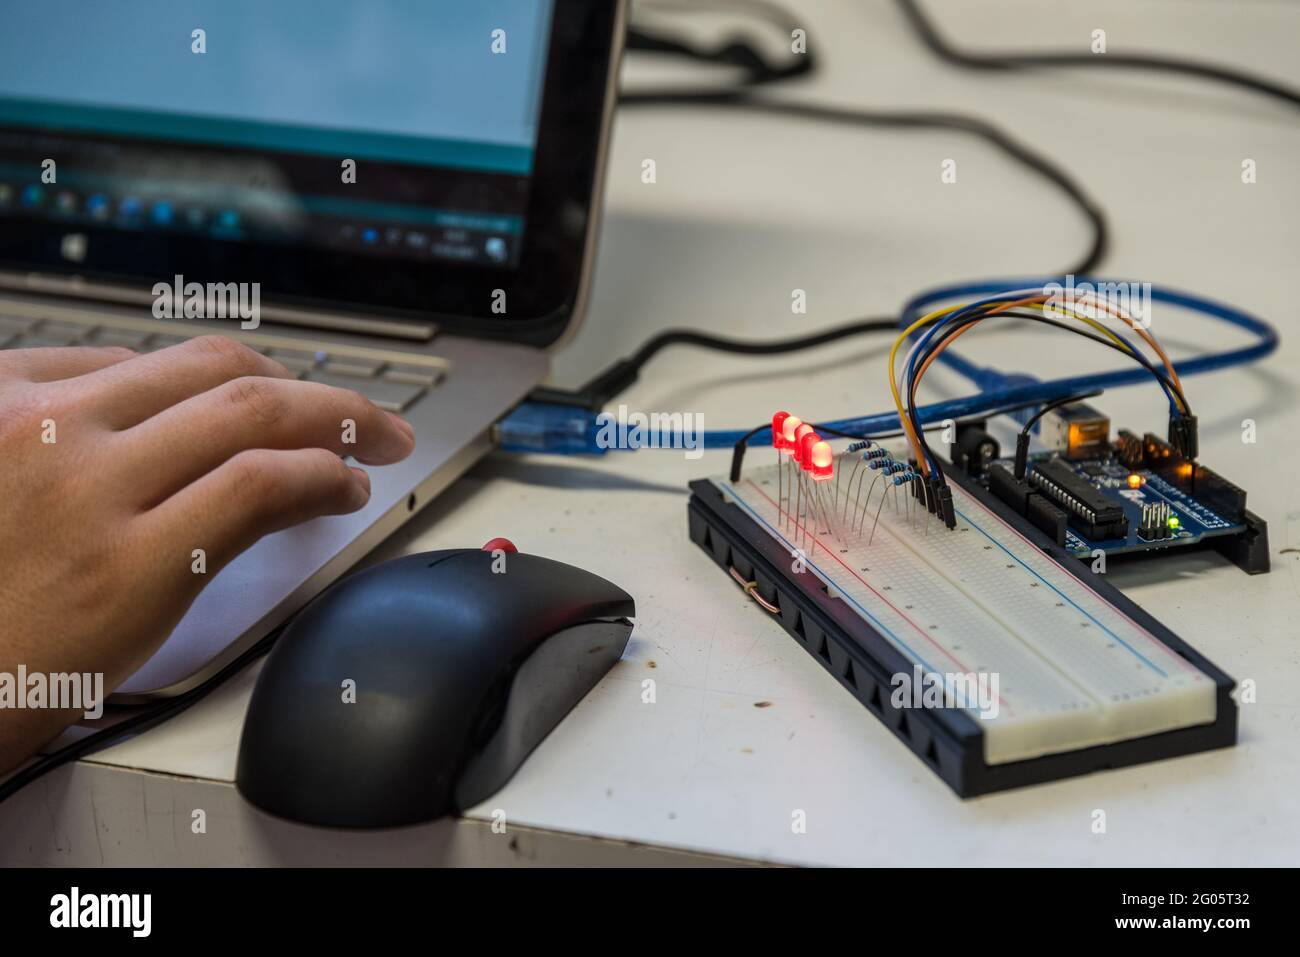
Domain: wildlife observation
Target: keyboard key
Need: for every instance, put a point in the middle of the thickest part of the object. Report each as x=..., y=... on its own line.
x=42, y=340
x=162, y=342
x=393, y=396
x=414, y=375
x=353, y=366
x=15, y=324
x=69, y=331
x=128, y=338
x=296, y=360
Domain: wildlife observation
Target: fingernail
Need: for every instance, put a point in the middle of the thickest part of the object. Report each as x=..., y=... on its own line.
x=402, y=424
x=363, y=480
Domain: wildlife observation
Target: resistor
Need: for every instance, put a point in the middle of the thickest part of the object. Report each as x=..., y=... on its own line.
x=877, y=453
x=904, y=477
x=859, y=445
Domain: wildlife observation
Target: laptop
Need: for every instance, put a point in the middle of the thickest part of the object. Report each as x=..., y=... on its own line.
x=397, y=197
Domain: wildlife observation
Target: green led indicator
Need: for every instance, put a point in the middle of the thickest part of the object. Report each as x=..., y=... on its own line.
x=1173, y=521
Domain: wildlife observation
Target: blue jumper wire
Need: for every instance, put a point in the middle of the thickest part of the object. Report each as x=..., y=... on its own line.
x=542, y=427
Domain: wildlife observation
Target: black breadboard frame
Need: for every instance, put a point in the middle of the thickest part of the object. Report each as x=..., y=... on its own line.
x=948, y=741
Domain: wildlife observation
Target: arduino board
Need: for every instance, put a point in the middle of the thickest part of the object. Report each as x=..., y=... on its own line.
x=1132, y=496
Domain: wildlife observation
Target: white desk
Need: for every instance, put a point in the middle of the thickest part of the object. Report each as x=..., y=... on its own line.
x=745, y=210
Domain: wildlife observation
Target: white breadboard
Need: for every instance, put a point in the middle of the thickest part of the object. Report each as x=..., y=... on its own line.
x=1072, y=670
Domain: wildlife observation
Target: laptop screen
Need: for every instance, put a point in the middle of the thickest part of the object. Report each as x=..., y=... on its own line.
x=394, y=129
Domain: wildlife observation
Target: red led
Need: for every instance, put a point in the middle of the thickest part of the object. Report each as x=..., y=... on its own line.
x=804, y=455
x=822, y=460
x=788, y=427
x=500, y=544
x=800, y=434
x=778, y=420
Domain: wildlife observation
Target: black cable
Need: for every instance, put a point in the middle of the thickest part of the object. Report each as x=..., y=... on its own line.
x=1056, y=404
x=620, y=375
x=763, y=348
x=597, y=392
x=143, y=719
x=1022, y=439
x=1003, y=60
x=759, y=71
x=1022, y=154
x=762, y=71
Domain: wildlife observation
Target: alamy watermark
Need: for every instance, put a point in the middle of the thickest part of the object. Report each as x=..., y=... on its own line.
x=133, y=912
x=214, y=300
x=922, y=689
x=1097, y=300
x=653, y=430
x=61, y=691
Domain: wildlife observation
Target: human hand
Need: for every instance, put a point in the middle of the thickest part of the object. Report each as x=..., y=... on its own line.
x=117, y=466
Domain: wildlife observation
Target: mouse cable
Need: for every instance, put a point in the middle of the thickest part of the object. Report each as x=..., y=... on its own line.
x=931, y=37
x=142, y=718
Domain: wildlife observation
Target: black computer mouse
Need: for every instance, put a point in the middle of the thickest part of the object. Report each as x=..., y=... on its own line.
x=416, y=688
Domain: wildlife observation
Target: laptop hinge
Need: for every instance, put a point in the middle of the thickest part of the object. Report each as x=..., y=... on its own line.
x=77, y=287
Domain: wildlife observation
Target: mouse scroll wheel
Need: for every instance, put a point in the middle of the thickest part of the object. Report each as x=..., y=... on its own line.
x=500, y=545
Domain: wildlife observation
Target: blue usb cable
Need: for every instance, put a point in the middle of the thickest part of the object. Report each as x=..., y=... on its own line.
x=558, y=429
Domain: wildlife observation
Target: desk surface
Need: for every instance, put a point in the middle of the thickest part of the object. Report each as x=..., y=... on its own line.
x=746, y=728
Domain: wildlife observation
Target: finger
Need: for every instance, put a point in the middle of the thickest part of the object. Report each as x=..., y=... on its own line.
x=130, y=392
x=255, y=493
x=180, y=444
x=59, y=362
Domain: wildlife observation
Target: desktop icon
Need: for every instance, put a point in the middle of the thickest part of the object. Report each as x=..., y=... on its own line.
x=73, y=247
x=97, y=207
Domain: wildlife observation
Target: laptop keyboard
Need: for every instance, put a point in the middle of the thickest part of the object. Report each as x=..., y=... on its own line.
x=390, y=385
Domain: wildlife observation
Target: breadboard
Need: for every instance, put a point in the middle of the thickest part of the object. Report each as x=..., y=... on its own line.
x=1072, y=670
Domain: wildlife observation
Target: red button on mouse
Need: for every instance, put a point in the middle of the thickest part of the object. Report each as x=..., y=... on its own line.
x=500, y=544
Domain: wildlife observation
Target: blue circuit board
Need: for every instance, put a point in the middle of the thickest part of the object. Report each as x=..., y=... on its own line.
x=1196, y=521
